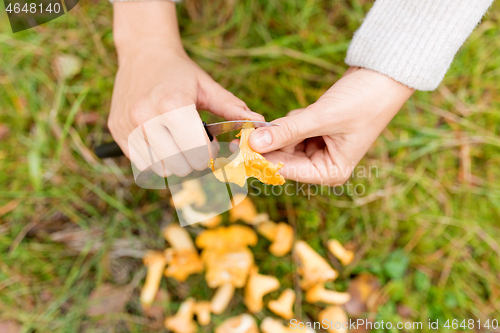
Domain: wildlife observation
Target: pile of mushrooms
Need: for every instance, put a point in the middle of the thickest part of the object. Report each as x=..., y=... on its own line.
x=223, y=255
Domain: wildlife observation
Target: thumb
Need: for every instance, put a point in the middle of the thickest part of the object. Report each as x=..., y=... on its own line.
x=214, y=98
x=292, y=130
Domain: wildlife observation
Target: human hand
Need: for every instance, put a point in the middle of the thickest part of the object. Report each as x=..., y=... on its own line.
x=322, y=143
x=155, y=80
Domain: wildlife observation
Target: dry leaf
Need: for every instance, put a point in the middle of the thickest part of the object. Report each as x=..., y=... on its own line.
x=108, y=299
x=4, y=131
x=364, y=292
x=10, y=326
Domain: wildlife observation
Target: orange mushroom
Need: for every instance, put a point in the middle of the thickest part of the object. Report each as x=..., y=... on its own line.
x=247, y=162
x=281, y=234
x=203, y=313
x=344, y=256
x=182, y=258
x=335, y=317
x=226, y=255
x=318, y=293
x=313, y=268
x=283, y=306
x=191, y=193
x=183, y=321
x=241, y=324
x=259, y=285
x=155, y=262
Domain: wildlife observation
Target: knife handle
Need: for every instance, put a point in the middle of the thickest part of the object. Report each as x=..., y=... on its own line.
x=111, y=149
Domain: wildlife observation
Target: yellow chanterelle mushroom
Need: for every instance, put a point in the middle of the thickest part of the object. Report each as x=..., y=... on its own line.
x=247, y=163
x=313, y=268
x=240, y=324
x=182, y=258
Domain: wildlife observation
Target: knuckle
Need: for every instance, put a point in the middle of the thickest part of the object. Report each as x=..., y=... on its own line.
x=289, y=131
x=138, y=114
x=172, y=102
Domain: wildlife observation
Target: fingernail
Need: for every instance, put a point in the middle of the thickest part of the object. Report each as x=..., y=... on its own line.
x=262, y=139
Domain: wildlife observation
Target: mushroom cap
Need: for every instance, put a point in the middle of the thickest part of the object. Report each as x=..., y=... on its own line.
x=283, y=240
x=268, y=229
x=203, y=312
x=191, y=193
x=283, y=306
x=227, y=266
x=318, y=293
x=182, y=264
x=241, y=324
x=153, y=257
x=313, y=268
x=182, y=321
x=344, y=256
x=225, y=238
x=259, y=285
x=332, y=315
x=209, y=220
x=178, y=237
x=243, y=210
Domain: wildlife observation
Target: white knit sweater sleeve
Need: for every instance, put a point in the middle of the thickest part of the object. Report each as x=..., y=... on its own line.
x=414, y=41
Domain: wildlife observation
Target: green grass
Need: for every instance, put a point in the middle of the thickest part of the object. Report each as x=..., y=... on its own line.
x=427, y=227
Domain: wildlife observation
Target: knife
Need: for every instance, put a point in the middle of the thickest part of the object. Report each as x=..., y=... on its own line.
x=112, y=149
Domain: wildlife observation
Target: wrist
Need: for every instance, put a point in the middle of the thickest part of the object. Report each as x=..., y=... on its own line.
x=143, y=25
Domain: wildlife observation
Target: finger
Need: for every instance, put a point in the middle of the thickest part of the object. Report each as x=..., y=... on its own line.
x=214, y=98
x=233, y=145
x=189, y=135
x=319, y=169
x=312, y=145
x=292, y=148
x=165, y=150
x=294, y=112
x=292, y=130
x=138, y=150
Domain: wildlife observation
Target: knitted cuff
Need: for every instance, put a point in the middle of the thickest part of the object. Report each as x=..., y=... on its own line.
x=414, y=42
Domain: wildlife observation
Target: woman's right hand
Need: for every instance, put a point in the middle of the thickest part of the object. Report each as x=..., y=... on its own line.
x=157, y=80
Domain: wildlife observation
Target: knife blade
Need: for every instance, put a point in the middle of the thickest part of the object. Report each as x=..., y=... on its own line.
x=233, y=125
x=112, y=149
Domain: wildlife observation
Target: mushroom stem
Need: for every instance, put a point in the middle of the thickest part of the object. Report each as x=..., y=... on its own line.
x=259, y=285
x=241, y=324
x=209, y=220
x=344, y=256
x=183, y=321
x=283, y=306
x=155, y=262
x=318, y=293
x=178, y=238
x=221, y=298
x=191, y=193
